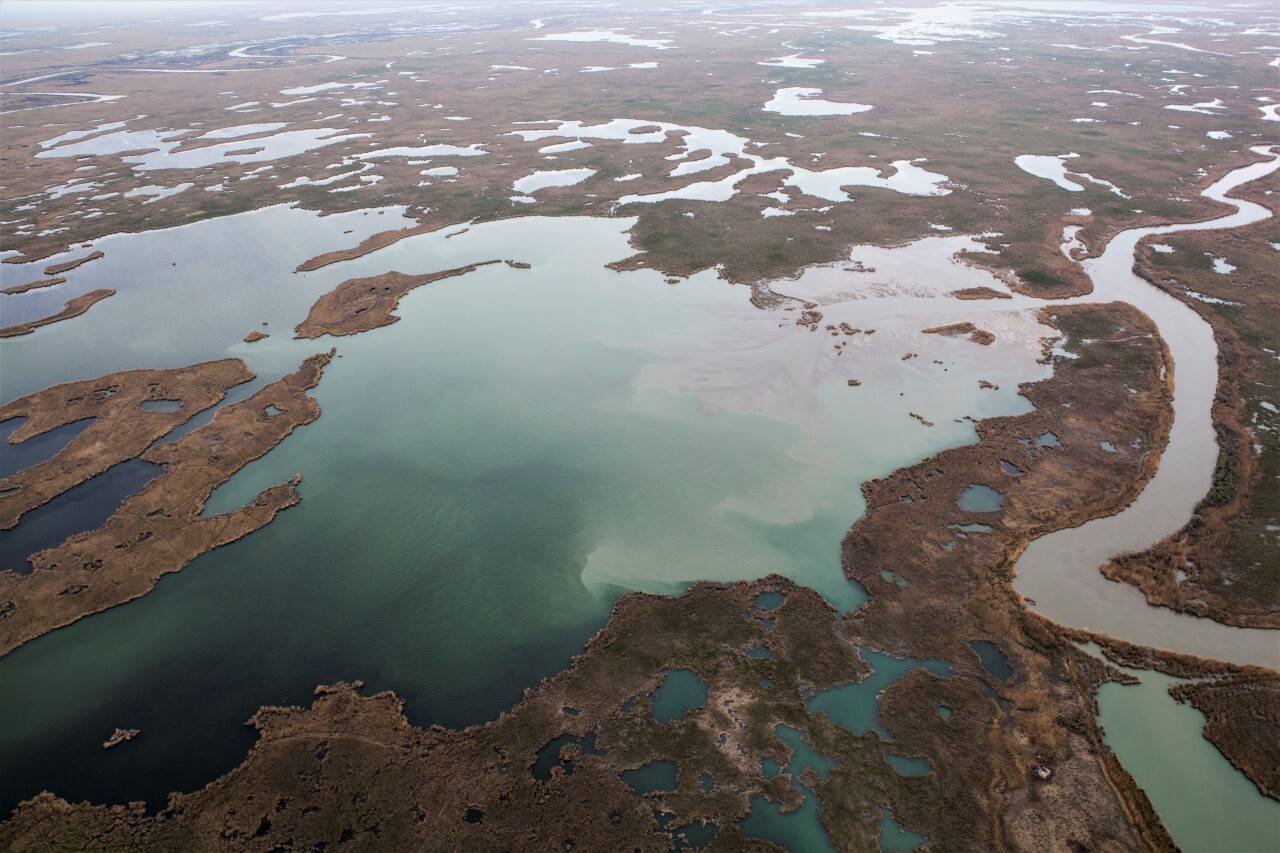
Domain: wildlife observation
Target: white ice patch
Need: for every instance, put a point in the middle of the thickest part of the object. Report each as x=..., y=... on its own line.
x=161, y=154
x=612, y=36
x=593, y=69
x=562, y=147
x=1053, y=168
x=1221, y=267
x=155, y=193
x=242, y=130
x=722, y=147
x=1207, y=108
x=795, y=60
x=326, y=87
x=1071, y=242
x=1212, y=300
x=1049, y=167
x=440, y=150
x=799, y=101
x=72, y=135
x=542, y=180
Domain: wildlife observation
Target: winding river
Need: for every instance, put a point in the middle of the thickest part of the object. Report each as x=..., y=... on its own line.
x=1060, y=570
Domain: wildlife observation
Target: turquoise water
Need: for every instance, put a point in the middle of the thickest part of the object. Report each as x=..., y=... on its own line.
x=695, y=835
x=894, y=578
x=895, y=839
x=856, y=707
x=1204, y=802
x=908, y=766
x=679, y=693
x=801, y=829
x=468, y=515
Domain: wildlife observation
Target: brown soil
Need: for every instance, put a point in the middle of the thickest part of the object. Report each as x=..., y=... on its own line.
x=160, y=529
x=351, y=767
x=1242, y=716
x=370, y=244
x=959, y=587
x=360, y=304
x=68, y=266
x=121, y=428
x=978, y=336
x=980, y=293
x=1241, y=703
x=74, y=308
x=33, y=285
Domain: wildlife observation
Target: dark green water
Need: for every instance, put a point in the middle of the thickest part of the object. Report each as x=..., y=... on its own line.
x=487, y=475
x=680, y=692
x=652, y=777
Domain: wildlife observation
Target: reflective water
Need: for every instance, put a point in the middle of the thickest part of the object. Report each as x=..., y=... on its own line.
x=500, y=509
x=680, y=692
x=1205, y=803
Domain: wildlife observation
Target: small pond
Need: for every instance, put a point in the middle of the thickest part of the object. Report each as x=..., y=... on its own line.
x=980, y=498
x=680, y=692
x=654, y=777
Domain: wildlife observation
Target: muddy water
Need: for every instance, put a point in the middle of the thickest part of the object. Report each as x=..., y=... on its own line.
x=906, y=287
x=499, y=510
x=1060, y=571
x=468, y=516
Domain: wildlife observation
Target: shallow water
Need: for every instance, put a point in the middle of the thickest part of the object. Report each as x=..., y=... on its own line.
x=81, y=508
x=801, y=829
x=855, y=707
x=652, y=777
x=501, y=510
x=38, y=448
x=895, y=839
x=908, y=766
x=549, y=755
x=993, y=660
x=510, y=510
x=1060, y=571
x=1205, y=803
x=680, y=692
x=980, y=498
